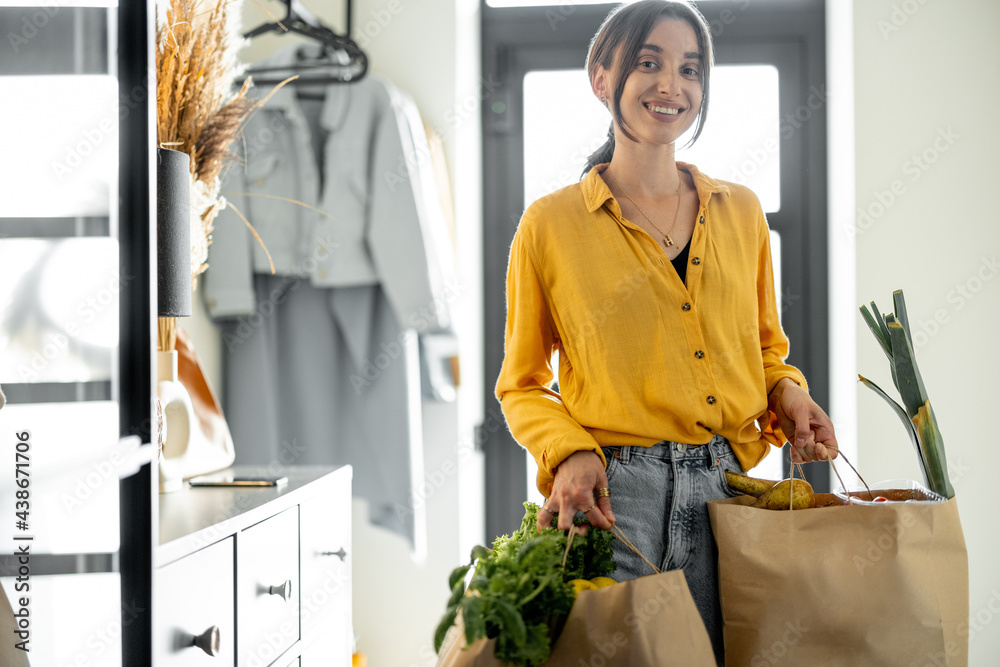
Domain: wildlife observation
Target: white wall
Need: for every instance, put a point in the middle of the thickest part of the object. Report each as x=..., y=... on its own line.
x=431, y=51
x=926, y=74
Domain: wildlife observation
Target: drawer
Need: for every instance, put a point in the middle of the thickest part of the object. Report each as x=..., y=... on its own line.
x=267, y=567
x=326, y=570
x=194, y=597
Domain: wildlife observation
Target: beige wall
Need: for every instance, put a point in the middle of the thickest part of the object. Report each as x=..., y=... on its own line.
x=926, y=100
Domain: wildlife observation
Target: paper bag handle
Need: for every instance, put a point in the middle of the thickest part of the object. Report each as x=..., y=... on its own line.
x=791, y=475
x=621, y=536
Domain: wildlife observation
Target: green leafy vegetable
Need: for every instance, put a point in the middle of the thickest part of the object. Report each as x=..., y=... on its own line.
x=520, y=587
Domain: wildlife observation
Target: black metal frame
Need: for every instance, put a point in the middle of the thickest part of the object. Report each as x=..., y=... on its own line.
x=789, y=32
x=137, y=313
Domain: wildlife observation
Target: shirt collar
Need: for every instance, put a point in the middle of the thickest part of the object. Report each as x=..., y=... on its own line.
x=596, y=191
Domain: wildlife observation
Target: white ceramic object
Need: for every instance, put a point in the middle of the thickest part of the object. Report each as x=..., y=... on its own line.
x=178, y=419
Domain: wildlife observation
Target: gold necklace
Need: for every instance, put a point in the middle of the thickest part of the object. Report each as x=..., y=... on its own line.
x=666, y=235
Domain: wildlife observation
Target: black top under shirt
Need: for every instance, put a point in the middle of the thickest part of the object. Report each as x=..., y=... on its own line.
x=680, y=262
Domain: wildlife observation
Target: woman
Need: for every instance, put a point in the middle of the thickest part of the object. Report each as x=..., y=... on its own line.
x=653, y=282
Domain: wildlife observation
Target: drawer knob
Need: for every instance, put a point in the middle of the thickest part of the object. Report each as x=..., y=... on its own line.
x=340, y=553
x=284, y=590
x=208, y=641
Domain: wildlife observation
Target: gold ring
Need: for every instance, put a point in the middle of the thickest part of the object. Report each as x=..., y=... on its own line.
x=589, y=508
x=604, y=493
x=546, y=508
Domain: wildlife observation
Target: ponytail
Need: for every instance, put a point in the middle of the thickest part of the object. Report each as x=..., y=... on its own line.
x=602, y=154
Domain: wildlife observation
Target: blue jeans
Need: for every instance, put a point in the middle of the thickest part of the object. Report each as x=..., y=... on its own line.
x=658, y=495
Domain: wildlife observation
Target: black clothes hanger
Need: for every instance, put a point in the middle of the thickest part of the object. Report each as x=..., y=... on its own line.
x=341, y=59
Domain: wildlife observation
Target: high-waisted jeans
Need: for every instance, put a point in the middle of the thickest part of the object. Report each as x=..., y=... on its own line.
x=658, y=495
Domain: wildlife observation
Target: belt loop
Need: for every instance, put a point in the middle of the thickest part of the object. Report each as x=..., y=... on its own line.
x=626, y=452
x=714, y=455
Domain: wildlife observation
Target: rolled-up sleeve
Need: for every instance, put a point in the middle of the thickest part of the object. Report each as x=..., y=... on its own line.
x=535, y=414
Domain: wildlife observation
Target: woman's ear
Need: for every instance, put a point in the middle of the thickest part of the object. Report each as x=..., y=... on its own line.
x=599, y=82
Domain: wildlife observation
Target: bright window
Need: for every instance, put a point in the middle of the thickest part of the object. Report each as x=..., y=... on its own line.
x=564, y=123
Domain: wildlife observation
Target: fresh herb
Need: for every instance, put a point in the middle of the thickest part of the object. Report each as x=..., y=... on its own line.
x=518, y=593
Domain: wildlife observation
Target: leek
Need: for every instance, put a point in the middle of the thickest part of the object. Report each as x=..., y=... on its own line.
x=892, y=331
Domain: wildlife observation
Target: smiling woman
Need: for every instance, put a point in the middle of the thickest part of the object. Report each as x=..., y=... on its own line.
x=665, y=386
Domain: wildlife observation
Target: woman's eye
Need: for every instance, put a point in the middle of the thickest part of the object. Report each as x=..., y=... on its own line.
x=643, y=64
x=690, y=71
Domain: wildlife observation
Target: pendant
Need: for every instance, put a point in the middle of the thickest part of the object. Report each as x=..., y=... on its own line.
x=669, y=240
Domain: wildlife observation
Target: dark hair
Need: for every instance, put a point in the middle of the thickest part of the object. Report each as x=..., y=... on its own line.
x=617, y=44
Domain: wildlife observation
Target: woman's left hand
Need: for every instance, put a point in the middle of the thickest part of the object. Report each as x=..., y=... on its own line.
x=805, y=424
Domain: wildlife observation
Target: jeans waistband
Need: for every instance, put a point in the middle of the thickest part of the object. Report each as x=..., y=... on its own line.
x=712, y=450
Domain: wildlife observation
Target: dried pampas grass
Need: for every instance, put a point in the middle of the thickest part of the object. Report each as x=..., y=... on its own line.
x=197, y=111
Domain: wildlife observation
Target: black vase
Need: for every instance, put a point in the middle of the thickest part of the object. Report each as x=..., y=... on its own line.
x=173, y=232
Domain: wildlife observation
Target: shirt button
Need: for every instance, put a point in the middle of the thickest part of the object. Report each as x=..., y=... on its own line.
x=696, y=260
x=702, y=220
x=711, y=400
x=686, y=306
x=699, y=354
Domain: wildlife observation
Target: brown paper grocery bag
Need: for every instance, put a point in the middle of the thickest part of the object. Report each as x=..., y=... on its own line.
x=650, y=621
x=846, y=585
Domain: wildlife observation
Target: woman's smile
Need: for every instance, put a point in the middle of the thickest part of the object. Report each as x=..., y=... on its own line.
x=664, y=111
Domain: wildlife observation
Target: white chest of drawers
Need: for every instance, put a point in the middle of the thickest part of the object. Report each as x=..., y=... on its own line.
x=256, y=577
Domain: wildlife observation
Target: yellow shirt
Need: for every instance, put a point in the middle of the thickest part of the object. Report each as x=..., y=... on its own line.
x=642, y=356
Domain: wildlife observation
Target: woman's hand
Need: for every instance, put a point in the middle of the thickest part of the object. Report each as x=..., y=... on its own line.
x=576, y=479
x=808, y=429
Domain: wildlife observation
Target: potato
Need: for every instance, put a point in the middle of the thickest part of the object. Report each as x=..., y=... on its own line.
x=748, y=485
x=776, y=498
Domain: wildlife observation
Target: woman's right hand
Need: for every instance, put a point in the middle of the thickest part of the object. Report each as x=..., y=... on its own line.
x=576, y=479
